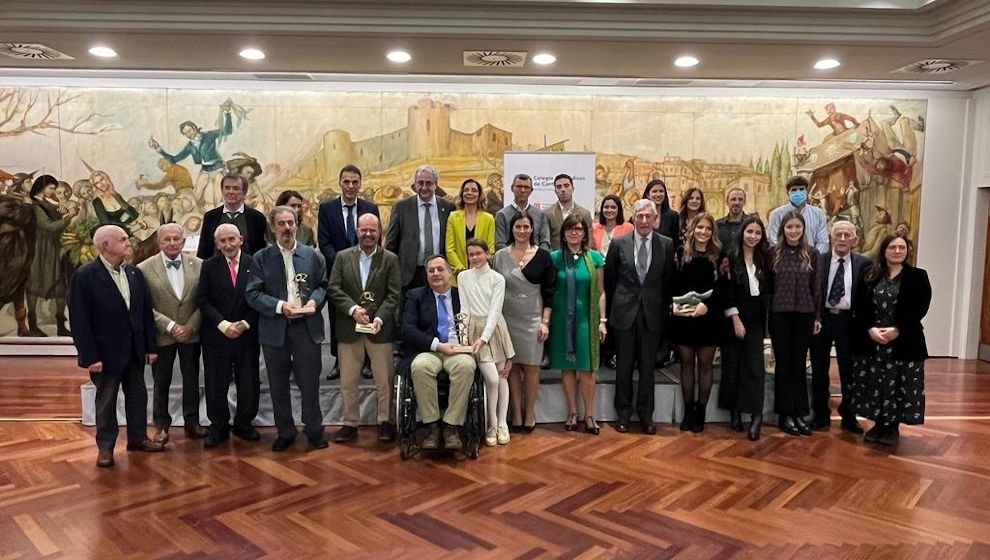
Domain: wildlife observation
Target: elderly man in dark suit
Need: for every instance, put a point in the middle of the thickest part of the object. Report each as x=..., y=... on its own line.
x=113, y=329
x=230, y=338
x=842, y=273
x=418, y=227
x=364, y=289
x=172, y=279
x=639, y=266
x=338, y=229
x=429, y=334
x=288, y=289
x=250, y=222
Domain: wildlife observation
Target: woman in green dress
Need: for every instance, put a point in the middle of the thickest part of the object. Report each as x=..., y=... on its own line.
x=577, y=324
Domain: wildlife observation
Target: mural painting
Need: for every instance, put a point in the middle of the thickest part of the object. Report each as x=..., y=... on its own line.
x=72, y=159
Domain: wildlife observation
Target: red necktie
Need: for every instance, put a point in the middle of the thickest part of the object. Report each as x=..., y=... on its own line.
x=232, y=264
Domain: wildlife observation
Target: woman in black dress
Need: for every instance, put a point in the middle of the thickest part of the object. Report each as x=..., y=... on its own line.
x=696, y=330
x=746, y=291
x=668, y=222
x=889, y=349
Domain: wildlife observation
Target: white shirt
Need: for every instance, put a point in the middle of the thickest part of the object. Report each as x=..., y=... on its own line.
x=291, y=292
x=119, y=278
x=238, y=210
x=452, y=334
x=175, y=276
x=434, y=217
x=565, y=212
x=364, y=264
x=343, y=213
x=754, y=288
x=846, y=301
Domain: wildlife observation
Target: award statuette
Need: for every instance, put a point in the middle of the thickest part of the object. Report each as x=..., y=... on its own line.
x=366, y=299
x=302, y=291
x=687, y=303
x=460, y=325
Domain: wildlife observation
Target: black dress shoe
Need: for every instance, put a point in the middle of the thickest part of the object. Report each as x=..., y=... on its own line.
x=334, y=374
x=386, y=432
x=889, y=435
x=649, y=428
x=104, y=459
x=787, y=425
x=755, y=424
x=282, y=443
x=214, y=439
x=345, y=434
x=621, y=425
x=249, y=433
x=802, y=427
x=873, y=434
x=318, y=442
x=366, y=373
x=851, y=425
x=735, y=421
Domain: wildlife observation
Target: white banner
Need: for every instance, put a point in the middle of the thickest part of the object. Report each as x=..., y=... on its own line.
x=543, y=167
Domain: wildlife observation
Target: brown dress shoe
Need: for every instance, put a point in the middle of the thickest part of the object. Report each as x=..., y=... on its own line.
x=105, y=458
x=147, y=446
x=195, y=431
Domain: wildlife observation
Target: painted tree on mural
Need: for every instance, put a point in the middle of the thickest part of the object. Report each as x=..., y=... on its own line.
x=30, y=111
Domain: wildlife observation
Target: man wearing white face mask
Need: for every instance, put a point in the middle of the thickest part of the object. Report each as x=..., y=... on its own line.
x=816, y=222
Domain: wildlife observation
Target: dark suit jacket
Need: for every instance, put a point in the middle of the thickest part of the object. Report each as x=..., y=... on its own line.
x=629, y=296
x=913, y=300
x=419, y=318
x=267, y=286
x=254, y=241
x=103, y=328
x=860, y=264
x=219, y=302
x=331, y=231
x=403, y=233
x=345, y=292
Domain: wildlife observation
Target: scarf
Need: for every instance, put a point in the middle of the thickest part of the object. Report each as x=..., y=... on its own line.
x=593, y=310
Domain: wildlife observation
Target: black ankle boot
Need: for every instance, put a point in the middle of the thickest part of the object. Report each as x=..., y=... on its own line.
x=699, y=417
x=735, y=421
x=688, y=420
x=755, y=424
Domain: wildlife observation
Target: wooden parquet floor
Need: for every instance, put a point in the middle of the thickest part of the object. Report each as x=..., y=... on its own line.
x=549, y=494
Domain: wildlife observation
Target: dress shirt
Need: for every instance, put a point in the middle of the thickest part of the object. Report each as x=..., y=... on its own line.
x=452, y=335
x=434, y=217
x=364, y=267
x=291, y=293
x=119, y=279
x=224, y=324
x=815, y=225
x=565, y=212
x=235, y=211
x=847, y=280
x=176, y=279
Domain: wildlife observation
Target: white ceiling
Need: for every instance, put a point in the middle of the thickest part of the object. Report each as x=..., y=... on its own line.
x=741, y=41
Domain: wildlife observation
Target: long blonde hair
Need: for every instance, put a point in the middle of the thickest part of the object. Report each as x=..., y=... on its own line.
x=805, y=249
x=714, y=248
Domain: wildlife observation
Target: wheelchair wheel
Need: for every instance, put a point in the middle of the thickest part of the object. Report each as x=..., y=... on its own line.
x=405, y=447
x=475, y=420
x=405, y=415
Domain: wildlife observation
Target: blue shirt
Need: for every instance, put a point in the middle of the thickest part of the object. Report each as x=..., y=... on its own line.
x=815, y=225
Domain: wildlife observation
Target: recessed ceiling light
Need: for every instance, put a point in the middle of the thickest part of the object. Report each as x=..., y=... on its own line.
x=827, y=64
x=686, y=61
x=399, y=56
x=252, y=54
x=102, y=51
x=544, y=58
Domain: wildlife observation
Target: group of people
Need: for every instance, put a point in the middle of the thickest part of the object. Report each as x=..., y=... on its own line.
x=459, y=290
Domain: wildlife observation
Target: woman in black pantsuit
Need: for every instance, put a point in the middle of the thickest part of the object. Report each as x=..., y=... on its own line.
x=746, y=292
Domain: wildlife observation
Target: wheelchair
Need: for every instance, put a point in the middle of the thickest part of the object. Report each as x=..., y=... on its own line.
x=408, y=427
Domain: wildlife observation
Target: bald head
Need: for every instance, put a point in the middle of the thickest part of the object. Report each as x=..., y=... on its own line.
x=112, y=243
x=369, y=232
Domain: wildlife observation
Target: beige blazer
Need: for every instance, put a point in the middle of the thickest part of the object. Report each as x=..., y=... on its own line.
x=167, y=307
x=555, y=218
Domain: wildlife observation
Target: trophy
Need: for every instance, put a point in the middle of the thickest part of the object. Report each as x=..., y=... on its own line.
x=687, y=303
x=367, y=298
x=302, y=292
x=460, y=325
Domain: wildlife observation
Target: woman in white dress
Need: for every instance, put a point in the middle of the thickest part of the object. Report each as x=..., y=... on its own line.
x=482, y=291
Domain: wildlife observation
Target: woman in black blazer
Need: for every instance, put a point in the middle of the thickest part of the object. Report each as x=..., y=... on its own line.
x=747, y=292
x=889, y=348
x=669, y=221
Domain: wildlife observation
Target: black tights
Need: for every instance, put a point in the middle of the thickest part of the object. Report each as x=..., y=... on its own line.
x=701, y=373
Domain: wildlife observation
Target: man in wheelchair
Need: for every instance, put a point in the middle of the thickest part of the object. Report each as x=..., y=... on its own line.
x=429, y=338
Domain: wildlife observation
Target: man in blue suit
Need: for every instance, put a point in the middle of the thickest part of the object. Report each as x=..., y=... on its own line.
x=288, y=289
x=337, y=230
x=842, y=273
x=113, y=329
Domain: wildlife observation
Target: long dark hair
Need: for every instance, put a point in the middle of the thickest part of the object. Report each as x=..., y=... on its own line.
x=460, y=194
x=665, y=205
x=532, y=230
x=761, y=253
x=880, y=268
x=684, y=202
x=805, y=249
x=619, y=219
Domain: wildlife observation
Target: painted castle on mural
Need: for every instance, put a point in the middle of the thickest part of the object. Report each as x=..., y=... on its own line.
x=112, y=161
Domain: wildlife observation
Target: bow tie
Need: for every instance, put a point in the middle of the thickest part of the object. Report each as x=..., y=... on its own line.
x=174, y=264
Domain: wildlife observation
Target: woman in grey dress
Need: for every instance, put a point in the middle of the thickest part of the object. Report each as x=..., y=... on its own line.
x=529, y=283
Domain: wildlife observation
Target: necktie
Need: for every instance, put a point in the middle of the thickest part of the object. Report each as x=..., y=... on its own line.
x=427, y=232
x=349, y=226
x=642, y=266
x=232, y=265
x=173, y=264
x=838, y=288
x=443, y=323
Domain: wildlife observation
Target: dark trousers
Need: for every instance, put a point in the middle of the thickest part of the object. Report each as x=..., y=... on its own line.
x=300, y=356
x=790, y=334
x=237, y=362
x=836, y=329
x=742, y=385
x=161, y=371
x=632, y=345
x=108, y=384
